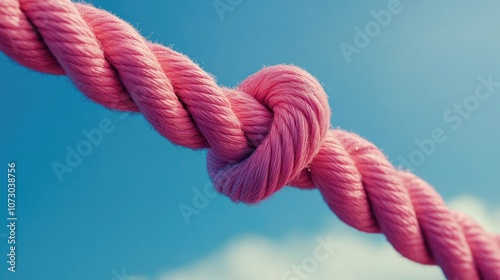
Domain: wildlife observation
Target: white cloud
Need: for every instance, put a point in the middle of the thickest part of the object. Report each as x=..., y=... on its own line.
x=352, y=256
x=488, y=217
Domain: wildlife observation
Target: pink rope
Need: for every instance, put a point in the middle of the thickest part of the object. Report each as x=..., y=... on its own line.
x=272, y=131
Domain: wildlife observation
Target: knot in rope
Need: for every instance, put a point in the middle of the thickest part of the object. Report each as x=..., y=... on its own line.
x=271, y=131
x=301, y=118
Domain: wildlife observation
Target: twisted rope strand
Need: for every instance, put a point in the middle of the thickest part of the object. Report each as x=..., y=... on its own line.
x=272, y=131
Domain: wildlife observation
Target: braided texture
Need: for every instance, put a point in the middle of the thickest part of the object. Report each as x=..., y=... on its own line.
x=271, y=131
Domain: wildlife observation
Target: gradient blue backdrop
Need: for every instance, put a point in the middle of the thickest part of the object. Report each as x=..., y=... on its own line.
x=119, y=208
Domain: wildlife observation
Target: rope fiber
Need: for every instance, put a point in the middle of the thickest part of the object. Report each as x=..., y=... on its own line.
x=272, y=130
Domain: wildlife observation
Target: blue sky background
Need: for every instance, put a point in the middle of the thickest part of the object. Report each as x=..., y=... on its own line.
x=119, y=207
